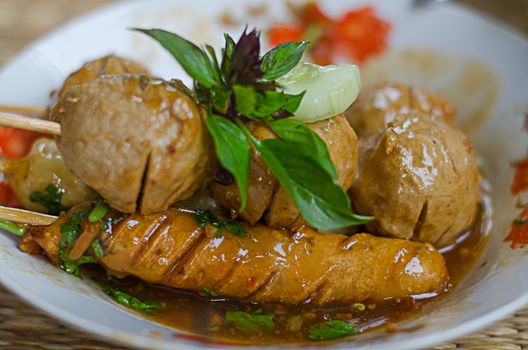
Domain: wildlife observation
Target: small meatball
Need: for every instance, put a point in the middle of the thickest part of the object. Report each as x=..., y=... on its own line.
x=377, y=107
x=138, y=141
x=266, y=197
x=419, y=178
x=41, y=167
x=108, y=65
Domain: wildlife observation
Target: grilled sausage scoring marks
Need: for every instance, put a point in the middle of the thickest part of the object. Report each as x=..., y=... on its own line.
x=140, y=142
x=266, y=266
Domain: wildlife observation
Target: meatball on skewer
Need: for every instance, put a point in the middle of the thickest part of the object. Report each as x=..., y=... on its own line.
x=140, y=142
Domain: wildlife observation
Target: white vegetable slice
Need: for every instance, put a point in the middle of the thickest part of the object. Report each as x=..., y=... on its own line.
x=330, y=90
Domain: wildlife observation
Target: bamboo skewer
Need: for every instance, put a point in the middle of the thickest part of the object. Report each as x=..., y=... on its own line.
x=22, y=216
x=18, y=121
x=24, y=110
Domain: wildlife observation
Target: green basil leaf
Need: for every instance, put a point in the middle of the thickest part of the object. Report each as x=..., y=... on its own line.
x=221, y=99
x=129, y=300
x=270, y=102
x=227, y=54
x=281, y=59
x=322, y=202
x=330, y=330
x=232, y=150
x=245, y=99
x=251, y=323
x=193, y=60
x=216, y=65
x=298, y=133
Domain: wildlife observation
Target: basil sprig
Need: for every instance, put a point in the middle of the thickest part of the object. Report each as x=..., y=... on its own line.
x=243, y=87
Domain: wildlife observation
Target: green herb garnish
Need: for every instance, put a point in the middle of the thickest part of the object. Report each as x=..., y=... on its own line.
x=129, y=300
x=330, y=330
x=12, y=228
x=97, y=248
x=251, y=323
x=520, y=221
x=243, y=87
x=204, y=217
x=49, y=198
x=99, y=212
x=70, y=231
x=209, y=293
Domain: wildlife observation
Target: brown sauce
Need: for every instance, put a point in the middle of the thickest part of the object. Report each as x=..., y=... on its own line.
x=204, y=317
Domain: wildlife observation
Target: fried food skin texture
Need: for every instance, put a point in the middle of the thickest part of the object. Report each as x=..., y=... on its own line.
x=266, y=198
x=266, y=266
x=140, y=142
x=377, y=106
x=420, y=180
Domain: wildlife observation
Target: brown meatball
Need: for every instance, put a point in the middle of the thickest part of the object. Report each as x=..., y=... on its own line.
x=138, y=141
x=419, y=179
x=266, y=197
x=377, y=107
x=108, y=65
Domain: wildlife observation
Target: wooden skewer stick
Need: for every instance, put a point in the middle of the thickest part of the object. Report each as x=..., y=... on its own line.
x=22, y=216
x=24, y=110
x=31, y=124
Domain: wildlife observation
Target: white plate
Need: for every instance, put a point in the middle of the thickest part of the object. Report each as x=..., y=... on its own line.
x=496, y=288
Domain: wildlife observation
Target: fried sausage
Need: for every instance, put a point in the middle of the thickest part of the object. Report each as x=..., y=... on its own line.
x=378, y=106
x=138, y=141
x=268, y=265
x=269, y=200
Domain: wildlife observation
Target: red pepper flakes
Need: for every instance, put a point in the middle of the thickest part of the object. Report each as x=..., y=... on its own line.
x=357, y=35
x=520, y=179
x=519, y=232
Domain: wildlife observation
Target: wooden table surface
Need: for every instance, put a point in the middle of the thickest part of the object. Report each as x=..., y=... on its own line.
x=23, y=327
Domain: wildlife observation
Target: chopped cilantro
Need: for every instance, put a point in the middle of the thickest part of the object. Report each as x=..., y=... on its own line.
x=520, y=221
x=49, y=198
x=70, y=231
x=330, y=330
x=204, y=217
x=251, y=323
x=129, y=300
x=209, y=293
x=97, y=248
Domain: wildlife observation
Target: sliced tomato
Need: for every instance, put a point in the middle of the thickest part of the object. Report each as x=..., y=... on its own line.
x=520, y=178
x=7, y=197
x=519, y=232
x=361, y=34
x=283, y=33
x=16, y=143
x=357, y=35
